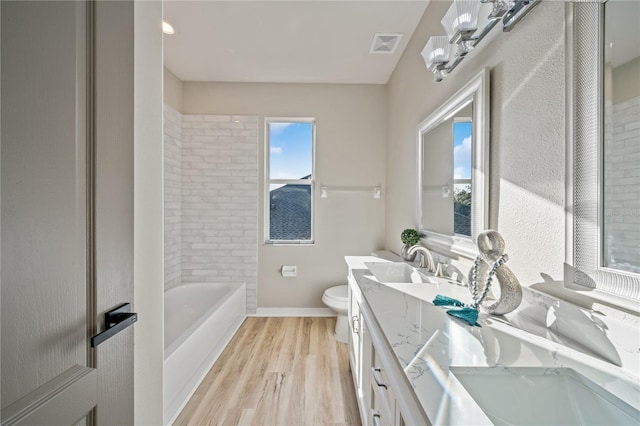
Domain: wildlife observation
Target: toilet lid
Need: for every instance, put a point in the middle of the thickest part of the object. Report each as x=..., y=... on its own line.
x=338, y=293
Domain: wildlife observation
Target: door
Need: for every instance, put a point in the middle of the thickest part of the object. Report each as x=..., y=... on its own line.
x=66, y=210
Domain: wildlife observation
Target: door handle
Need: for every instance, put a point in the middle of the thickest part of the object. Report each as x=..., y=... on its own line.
x=354, y=321
x=115, y=321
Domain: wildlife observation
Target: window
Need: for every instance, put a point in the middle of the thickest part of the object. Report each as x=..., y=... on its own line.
x=289, y=181
x=462, y=176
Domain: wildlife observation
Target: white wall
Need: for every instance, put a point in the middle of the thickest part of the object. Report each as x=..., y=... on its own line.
x=148, y=241
x=527, y=134
x=625, y=82
x=172, y=86
x=351, y=135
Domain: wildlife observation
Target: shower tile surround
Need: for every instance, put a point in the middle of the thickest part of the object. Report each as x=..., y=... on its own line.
x=212, y=226
x=172, y=197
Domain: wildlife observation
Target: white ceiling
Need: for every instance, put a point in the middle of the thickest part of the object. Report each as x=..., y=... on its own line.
x=285, y=41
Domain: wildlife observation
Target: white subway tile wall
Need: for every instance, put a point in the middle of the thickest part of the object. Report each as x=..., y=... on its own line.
x=219, y=211
x=172, y=197
x=211, y=200
x=622, y=184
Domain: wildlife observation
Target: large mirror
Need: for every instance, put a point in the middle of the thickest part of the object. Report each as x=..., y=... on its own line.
x=604, y=118
x=621, y=149
x=453, y=147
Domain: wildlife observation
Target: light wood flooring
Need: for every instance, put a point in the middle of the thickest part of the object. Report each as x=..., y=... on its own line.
x=277, y=371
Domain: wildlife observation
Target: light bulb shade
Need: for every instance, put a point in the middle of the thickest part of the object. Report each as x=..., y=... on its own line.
x=461, y=19
x=436, y=52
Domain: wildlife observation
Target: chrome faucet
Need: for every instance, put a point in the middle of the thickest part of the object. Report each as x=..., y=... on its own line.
x=426, y=261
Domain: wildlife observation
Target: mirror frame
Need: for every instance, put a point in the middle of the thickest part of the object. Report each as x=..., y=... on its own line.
x=477, y=90
x=584, y=33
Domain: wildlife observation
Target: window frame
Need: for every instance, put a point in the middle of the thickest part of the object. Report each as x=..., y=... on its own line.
x=268, y=181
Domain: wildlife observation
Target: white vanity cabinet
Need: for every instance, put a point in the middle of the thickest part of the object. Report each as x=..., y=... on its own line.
x=359, y=350
x=383, y=396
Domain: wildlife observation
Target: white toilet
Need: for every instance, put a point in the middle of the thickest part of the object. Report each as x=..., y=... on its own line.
x=337, y=299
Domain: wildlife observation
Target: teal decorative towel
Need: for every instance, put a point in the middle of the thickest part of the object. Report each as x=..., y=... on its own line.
x=441, y=300
x=467, y=314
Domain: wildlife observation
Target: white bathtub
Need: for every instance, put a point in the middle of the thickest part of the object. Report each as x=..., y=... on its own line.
x=199, y=321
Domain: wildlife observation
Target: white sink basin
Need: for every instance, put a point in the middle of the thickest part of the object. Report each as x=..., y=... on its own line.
x=397, y=272
x=543, y=396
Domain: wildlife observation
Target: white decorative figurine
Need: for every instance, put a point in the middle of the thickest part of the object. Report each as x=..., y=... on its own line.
x=489, y=264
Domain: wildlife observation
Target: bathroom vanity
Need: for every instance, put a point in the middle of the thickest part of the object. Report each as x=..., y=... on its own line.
x=414, y=364
x=384, y=396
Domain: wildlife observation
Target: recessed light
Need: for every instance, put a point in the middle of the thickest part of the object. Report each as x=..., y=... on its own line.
x=167, y=28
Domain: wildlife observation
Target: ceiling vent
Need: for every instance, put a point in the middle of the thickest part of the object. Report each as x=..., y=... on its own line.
x=385, y=42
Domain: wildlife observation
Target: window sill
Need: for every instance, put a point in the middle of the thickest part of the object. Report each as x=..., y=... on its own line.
x=289, y=243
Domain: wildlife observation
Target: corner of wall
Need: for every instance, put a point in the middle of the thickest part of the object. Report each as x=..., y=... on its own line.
x=172, y=89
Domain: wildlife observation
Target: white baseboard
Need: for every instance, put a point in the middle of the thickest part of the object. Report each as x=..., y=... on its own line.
x=294, y=312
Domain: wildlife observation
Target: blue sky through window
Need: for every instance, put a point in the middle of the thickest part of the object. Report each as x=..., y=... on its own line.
x=462, y=150
x=291, y=146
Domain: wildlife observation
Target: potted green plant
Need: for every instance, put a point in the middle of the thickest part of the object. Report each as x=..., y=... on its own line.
x=409, y=237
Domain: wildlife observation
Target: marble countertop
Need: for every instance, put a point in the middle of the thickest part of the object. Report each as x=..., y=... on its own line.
x=428, y=344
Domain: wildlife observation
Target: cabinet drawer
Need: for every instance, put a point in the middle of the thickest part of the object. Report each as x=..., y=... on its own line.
x=379, y=374
x=382, y=409
x=382, y=398
x=379, y=418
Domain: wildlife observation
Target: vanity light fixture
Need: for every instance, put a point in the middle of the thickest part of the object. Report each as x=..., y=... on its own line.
x=436, y=56
x=460, y=23
x=461, y=20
